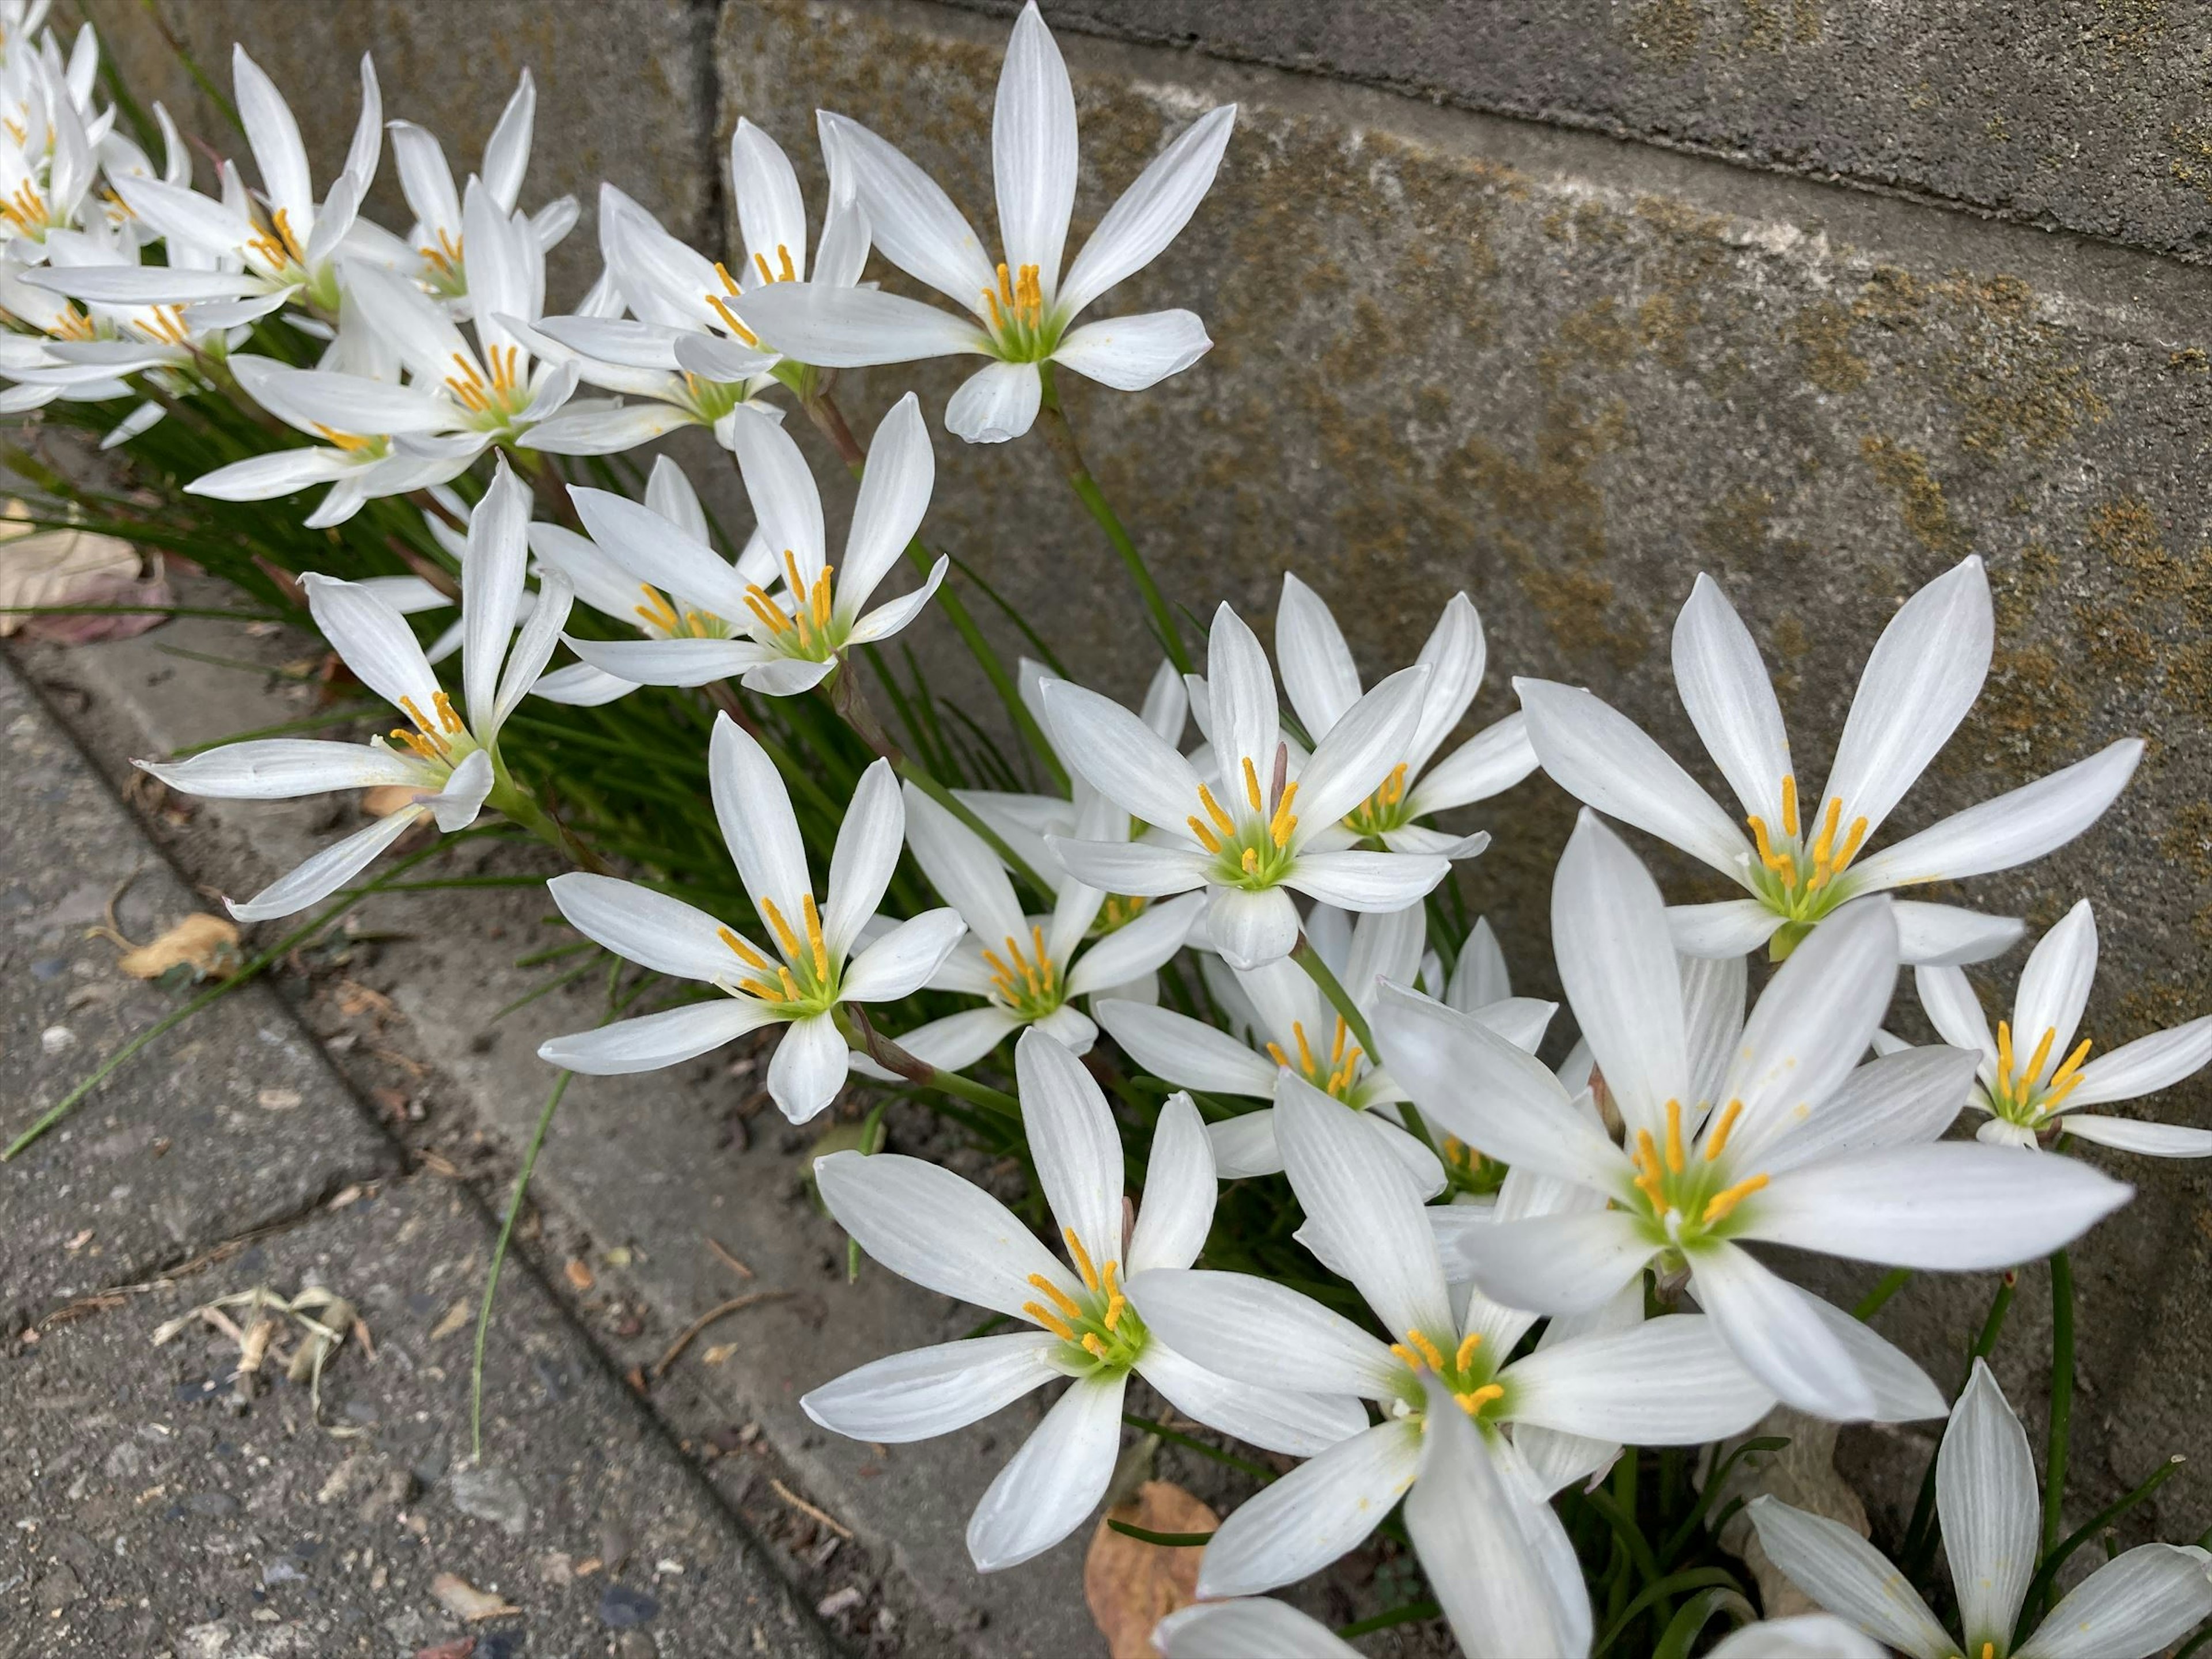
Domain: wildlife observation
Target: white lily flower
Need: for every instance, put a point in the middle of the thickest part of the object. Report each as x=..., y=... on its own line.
x=927, y=1225
x=1022, y=315
x=1246, y=1628
x=1031, y=971
x=1323, y=683
x=1295, y=1032
x=249, y=254
x=2029, y=1083
x=49, y=157
x=719, y=624
x=803, y=977
x=2131, y=1607
x=1803, y=860
x=1496, y=1556
x=440, y=236
x=1248, y=845
x=1798, y=1145
x=450, y=758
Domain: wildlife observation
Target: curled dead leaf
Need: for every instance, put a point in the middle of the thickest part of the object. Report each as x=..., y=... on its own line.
x=71, y=567
x=466, y=1602
x=1131, y=1585
x=206, y=945
x=385, y=798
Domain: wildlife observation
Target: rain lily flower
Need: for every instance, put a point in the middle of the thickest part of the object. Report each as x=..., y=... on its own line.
x=1252, y=834
x=254, y=257
x=718, y=623
x=608, y=587
x=48, y=160
x=927, y=1225
x=1805, y=858
x=801, y=979
x=2131, y=1607
x=1031, y=972
x=1798, y=1145
x=1022, y=315
x=1497, y=1555
x=440, y=236
x=448, y=758
x=1295, y=1032
x=1246, y=1628
x=2031, y=1081
x=1322, y=682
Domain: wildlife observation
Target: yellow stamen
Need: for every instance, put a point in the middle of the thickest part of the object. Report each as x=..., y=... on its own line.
x=784, y=936
x=1081, y=1258
x=657, y=610
x=1051, y=1321
x=452, y=722
x=1465, y=1357
x=1789, y=803
x=1252, y=786
x=345, y=440
x=1205, y=836
x=1285, y=821
x=2004, y=1056
x=1722, y=1203
x=1222, y=821
x=1305, y=1054
x=1716, y=1142
x=771, y=615
x=1430, y=1354
x=730, y=318
x=1094, y=1345
x=1060, y=1299
x=742, y=951
x=815, y=943
x=1407, y=1357
x=1767, y=855
x=2042, y=1052
x=282, y=222
x=2064, y=1077
x=1115, y=1302
x=1250, y=862
x=423, y=722
x=1473, y=1402
x=1336, y=1046
x=1043, y=961
x=790, y=985
x=1275, y=1050
x=1675, y=1137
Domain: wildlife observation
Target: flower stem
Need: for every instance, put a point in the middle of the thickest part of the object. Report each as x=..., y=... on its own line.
x=822, y=409
x=1872, y=1302
x=518, y=805
x=2062, y=1396
x=1060, y=437
x=867, y=1040
x=499, y=1257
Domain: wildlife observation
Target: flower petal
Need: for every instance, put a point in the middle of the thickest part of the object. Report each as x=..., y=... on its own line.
x=279, y=768
x=1560, y=1264
x=1246, y=1628
x=901, y=962
x=1322, y=1510
x=668, y=662
x=1139, y=868
x=1366, y=881
x=996, y=403
x=1901, y=1099
x=1134, y=949
x=781, y=489
x=1488, y=763
x=1727, y=927
x=1033, y=155
x=914, y=222
x=1375, y=735
x=662, y=934
x=958, y=1040
x=654, y=1041
x=1250, y=929
x=753, y=810
x=1184, y=1051
x=1945, y=933
x=1776, y=1335
x=1254, y=1331
x=1986, y=1496
x=894, y=494
x=1177, y=1210
x=2145, y=1065
x=1133, y=353
x=808, y=1068
x=2012, y=829
x=2129, y=1134
x=1151, y=212
x=1055, y=1481
x=1805, y=1635
x=1316, y=663
x=319, y=877
x=1245, y=724
x=853, y=327
x=374, y=641
x=1606, y=1387
x=1072, y=1138
x=933, y=1391
x=1300, y=1425
x=1848, y=1575
x=1120, y=756
x=2130, y=1607
x=865, y=856
x=2054, y=986
x=1949, y=1000
x=925, y=1224
x=1724, y=686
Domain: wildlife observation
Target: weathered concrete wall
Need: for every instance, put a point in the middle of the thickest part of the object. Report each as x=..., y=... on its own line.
x=1565, y=372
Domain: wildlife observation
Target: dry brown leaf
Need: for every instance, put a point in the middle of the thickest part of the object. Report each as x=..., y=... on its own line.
x=460, y=1648
x=466, y=1602
x=456, y=1316
x=1131, y=1585
x=71, y=567
x=385, y=798
x=207, y=944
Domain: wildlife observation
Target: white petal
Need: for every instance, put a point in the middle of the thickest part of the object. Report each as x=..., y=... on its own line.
x=2011, y=829
x=2054, y=986
x=1373, y=736
x=865, y=856
x=1177, y=1210
x=888, y=619
x=1136, y=948
x=1055, y=1481
x=894, y=494
x=1955, y=1012
x=808, y=1068
x=914, y=222
x=1133, y=353
x=274, y=136
x=1480, y=976
x=319, y=877
x=901, y=962
x=925, y=1224
x=1317, y=1512
x=1601, y=757
x=655, y=1041
x=2129, y=1134
x=1903, y=1393
x=1779, y=1337
x=1151, y=212
x=606, y=431
x=1923, y=675
x=1250, y=929
x=1071, y=1137
x=1033, y=150
x=278, y=769
x=1712, y=1019
x=493, y=569
x=261, y=477
x=375, y=642
x=771, y=215
x=1727, y=927
x=1900, y=1099
x=1140, y=869
x=1669, y=1382
x=533, y=647
x=781, y=488
x=965, y=872
x=852, y=327
x=996, y=403
x=1242, y=693
x=1488, y=763
x=1807, y=1636
x=755, y=814
x=1244, y=1146
x=958, y=1040
x=1945, y=933
x=933, y=1391
x=1120, y=756
x=1366, y=881
x=1560, y=1264
x=1246, y=1629
x=1301, y=1425
x=2145, y=1065
x=1317, y=664
x=1986, y=1495
x=786, y=677
x=663, y=934
x=1848, y=1575
x=1253, y=1330
x=668, y=662
x=1186, y=1052
x=1724, y=686
x=2128, y=1609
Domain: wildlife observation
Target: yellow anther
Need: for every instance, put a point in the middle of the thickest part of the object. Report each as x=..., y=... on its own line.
x=1723, y=1202
x=815, y=943
x=1115, y=1302
x=790, y=985
x=2004, y=1056
x=1082, y=1259
x=1250, y=862
x=2042, y=1052
x=1059, y=1298
x=1305, y=1054
x=770, y=614
x=1833, y=817
x=1043, y=961
x=446, y=716
x=1430, y=1354
x=1473, y=1401
x=1285, y=821
x=657, y=610
x=1222, y=821
x=742, y=951
x=1275, y=1050
x=1094, y=1345
x=1005, y=286
x=1767, y=855
x=1206, y=838
x=784, y=936
x=825, y=602
x=423, y=721
x=1467, y=1344
x=1407, y=1357
x=1252, y=787
x=1675, y=1137
x=761, y=261
x=282, y=223
x=730, y=318
x=1789, y=803
x=1051, y=1321
x=352, y=444
x=2064, y=1077
x=1716, y=1142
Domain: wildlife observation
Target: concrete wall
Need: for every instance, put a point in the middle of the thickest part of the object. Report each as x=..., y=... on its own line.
x=1565, y=370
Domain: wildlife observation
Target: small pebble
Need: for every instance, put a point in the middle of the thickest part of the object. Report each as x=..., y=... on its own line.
x=621, y=1607
x=55, y=1038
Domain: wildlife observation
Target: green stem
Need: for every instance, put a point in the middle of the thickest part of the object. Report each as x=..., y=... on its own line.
x=2062, y=1396
x=499, y=1259
x=1052, y=425
x=852, y=1021
x=822, y=409
x=517, y=804
x=1870, y=1304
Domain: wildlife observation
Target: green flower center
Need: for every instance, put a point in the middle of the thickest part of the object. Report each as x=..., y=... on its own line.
x=1253, y=853
x=1099, y=1332
x=1384, y=809
x=1028, y=983
x=1469, y=1372
x=661, y=617
x=810, y=629
x=1685, y=1195
x=1022, y=329
x=804, y=983
x=1115, y=913
x=1336, y=1074
x=2021, y=1094
x=1470, y=1170
x=1800, y=874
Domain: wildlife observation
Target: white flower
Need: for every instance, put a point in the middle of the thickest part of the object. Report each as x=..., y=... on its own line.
x=1496, y=1556
x=1803, y=860
x=2131, y=1607
x=1029, y=971
x=1022, y=314
x=259, y=256
x=608, y=586
x=800, y=980
x=451, y=763
x=1323, y=683
x=48, y=158
x=927, y=1225
x=440, y=236
x=1247, y=1629
x=720, y=623
x=1294, y=1030
x=1251, y=834
x=2032, y=1085
x=1798, y=1145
